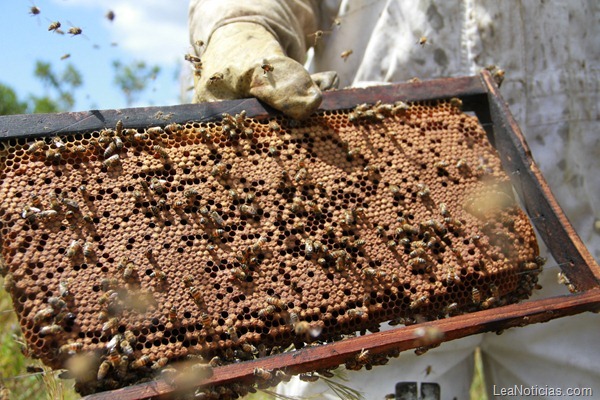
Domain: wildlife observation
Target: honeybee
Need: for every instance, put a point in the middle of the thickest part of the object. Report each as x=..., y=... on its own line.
x=141, y=136
x=88, y=249
x=63, y=289
x=125, y=347
x=161, y=151
x=423, y=190
x=462, y=164
x=50, y=330
x=43, y=314
x=103, y=370
x=35, y=146
x=489, y=302
x=216, y=77
x=418, y=302
x=248, y=210
x=73, y=248
x=159, y=275
x=196, y=295
x=141, y=362
x=110, y=149
x=266, y=67
x=262, y=374
x=456, y=102
x=56, y=303
x=452, y=277
x=418, y=252
x=111, y=161
x=308, y=377
x=476, y=296
x=70, y=348
x=46, y=215
x=54, y=26
x=74, y=31
x=161, y=362
x=345, y=54
x=265, y=312
x=391, y=244
x=369, y=272
x=301, y=175
x=110, y=325
x=274, y=301
x=363, y=357
x=192, y=58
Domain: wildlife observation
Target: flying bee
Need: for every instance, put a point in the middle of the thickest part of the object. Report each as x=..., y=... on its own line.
x=422, y=41
x=111, y=161
x=318, y=35
x=43, y=314
x=418, y=302
x=274, y=301
x=262, y=374
x=73, y=248
x=141, y=362
x=50, y=330
x=266, y=67
x=216, y=77
x=265, y=312
x=54, y=26
x=74, y=31
x=345, y=54
x=476, y=296
x=192, y=58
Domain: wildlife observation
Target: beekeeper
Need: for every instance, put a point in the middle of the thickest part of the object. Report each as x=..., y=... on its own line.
x=550, y=52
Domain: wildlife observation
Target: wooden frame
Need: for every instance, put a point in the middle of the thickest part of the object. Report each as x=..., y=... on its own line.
x=479, y=95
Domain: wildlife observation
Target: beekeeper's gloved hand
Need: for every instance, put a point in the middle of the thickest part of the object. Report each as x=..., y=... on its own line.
x=251, y=51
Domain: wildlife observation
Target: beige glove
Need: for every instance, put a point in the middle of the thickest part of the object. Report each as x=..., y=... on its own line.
x=244, y=59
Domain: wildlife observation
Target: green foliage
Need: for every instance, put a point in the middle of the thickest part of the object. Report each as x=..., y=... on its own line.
x=62, y=84
x=14, y=378
x=9, y=104
x=133, y=79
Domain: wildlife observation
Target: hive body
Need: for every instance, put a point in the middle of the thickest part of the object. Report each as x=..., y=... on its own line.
x=206, y=237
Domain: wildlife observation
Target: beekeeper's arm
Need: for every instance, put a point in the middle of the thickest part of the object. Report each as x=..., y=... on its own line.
x=255, y=48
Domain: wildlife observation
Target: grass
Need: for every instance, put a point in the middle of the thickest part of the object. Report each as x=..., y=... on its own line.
x=16, y=383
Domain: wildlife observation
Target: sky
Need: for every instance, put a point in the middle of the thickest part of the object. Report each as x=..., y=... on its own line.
x=154, y=31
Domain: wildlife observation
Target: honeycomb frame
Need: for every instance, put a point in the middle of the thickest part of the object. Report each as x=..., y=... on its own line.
x=308, y=205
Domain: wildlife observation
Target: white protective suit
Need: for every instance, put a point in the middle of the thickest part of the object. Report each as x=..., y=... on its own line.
x=550, y=51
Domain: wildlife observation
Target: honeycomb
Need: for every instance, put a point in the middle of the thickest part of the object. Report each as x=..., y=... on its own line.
x=126, y=250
